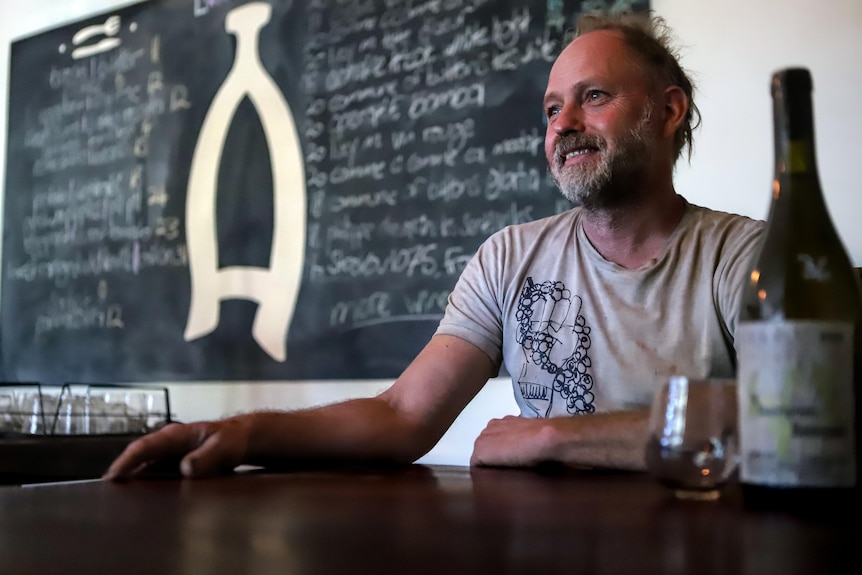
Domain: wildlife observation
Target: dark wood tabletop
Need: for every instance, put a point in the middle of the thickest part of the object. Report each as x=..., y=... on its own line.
x=409, y=520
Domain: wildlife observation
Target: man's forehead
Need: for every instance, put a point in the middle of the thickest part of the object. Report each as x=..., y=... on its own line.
x=600, y=52
x=598, y=47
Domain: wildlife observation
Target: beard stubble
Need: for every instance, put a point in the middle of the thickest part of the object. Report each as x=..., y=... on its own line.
x=616, y=179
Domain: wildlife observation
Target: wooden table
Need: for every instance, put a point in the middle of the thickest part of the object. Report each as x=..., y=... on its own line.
x=411, y=520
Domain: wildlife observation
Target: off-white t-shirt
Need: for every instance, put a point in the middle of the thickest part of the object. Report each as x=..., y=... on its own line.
x=580, y=334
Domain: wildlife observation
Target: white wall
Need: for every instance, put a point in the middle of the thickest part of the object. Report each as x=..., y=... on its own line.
x=731, y=46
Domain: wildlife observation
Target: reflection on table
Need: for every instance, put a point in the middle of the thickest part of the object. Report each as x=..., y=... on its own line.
x=414, y=519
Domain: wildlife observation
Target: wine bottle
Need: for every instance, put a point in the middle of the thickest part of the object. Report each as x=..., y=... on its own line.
x=798, y=337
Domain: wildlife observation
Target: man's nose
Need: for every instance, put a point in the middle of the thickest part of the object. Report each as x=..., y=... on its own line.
x=569, y=119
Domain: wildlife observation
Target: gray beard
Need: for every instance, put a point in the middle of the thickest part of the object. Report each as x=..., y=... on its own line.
x=616, y=180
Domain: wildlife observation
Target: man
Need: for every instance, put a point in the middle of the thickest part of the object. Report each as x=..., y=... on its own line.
x=590, y=310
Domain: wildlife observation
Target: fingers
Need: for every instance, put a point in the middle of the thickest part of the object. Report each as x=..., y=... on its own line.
x=483, y=444
x=500, y=425
x=507, y=441
x=219, y=452
x=170, y=442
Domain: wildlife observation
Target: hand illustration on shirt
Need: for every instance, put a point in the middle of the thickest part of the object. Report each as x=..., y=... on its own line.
x=555, y=340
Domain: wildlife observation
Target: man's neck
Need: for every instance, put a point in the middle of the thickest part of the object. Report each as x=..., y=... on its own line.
x=634, y=235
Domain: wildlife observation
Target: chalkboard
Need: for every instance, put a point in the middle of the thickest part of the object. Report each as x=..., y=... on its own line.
x=225, y=190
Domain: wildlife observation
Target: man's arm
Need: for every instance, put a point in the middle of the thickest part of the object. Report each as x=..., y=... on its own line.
x=399, y=425
x=605, y=440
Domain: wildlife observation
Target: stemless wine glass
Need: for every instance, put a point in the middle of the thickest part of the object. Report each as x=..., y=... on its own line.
x=9, y=416
x=692, y=439
x=71, y=416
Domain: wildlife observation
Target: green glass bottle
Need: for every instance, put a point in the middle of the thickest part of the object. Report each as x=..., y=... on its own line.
x=798, y=338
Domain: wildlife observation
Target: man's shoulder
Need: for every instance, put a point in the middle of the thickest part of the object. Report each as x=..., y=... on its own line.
x=709, y=220
x=725, y=234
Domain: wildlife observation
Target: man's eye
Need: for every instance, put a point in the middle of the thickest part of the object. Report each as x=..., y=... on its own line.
x=552, y=111
x=594, y=95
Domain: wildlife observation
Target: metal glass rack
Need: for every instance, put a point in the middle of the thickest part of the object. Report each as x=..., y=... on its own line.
x=35, y=409
x=72, y=431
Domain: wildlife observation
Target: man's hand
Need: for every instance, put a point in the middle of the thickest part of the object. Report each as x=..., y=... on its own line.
x=606, y=440
x=513, y=442
x=205, y=448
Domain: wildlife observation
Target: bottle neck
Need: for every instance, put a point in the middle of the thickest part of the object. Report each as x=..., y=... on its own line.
x=794, y=133
x=798, y=204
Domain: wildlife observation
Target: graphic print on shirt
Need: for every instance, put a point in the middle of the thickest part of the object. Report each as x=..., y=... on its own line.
x=555, y=339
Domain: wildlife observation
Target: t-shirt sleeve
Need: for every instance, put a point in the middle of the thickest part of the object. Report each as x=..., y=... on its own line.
x=473, y=312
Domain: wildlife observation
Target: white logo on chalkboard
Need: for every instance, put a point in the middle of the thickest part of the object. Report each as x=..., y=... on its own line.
x=109, y=29
x=276, y=288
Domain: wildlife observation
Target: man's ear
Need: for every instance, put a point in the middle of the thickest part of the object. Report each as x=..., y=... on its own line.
x=675, y=108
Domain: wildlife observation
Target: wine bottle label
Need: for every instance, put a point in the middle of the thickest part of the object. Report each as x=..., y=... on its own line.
x=796, y=405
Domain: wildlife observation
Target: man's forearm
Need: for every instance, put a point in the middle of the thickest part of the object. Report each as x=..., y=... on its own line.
x=606, y=440
x=365, y=429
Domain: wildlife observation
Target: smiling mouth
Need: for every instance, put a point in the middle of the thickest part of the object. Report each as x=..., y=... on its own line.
x=566, y=156
x=579, y=152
